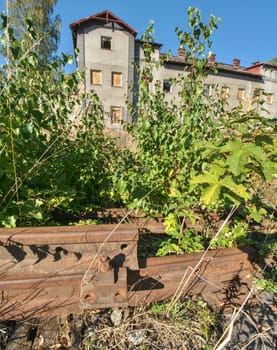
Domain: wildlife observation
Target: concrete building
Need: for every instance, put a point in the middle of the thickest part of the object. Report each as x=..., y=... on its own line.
x=108, y=49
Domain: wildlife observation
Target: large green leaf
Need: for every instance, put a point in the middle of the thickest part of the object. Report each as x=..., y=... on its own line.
x=238, y=190
x=215, y=187
x=241, y=154
x=211, y=194
x=269, y=170
x=206, y=178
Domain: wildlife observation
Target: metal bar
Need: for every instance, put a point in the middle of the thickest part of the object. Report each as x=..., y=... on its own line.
x=69, y=234
x=48, y=271
x=221, y=271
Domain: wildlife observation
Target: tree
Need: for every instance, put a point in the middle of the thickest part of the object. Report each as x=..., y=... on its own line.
x=53, y=151
x=195, y=157
x=273, y=61
x=46, y=26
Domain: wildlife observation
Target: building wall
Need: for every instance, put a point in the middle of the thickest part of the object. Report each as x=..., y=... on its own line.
x=107, y=61
x=233, y=82
x=241, y=84
x=270, y=88
x=240, y=89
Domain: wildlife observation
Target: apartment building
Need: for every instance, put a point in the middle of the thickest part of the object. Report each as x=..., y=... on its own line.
x=108, y=49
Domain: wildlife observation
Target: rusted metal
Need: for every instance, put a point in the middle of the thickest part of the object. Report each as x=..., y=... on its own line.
x=42, y=268
x=50, y=271
x=68, y=234
x=223, y=277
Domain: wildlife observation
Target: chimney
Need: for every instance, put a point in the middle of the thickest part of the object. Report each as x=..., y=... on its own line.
x=236, y=63
x=181, y=52
x=211, y=58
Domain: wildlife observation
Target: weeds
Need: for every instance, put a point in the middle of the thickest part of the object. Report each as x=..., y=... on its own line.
x=268, y=279
x=187, y=327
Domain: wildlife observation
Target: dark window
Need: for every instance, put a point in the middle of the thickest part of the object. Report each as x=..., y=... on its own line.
x=106, y=42
x=167, y=85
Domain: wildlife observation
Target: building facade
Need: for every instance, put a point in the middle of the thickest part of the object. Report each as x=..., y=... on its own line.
x=108, y=49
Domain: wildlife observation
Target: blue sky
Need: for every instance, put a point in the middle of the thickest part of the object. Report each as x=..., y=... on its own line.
x=248, y=30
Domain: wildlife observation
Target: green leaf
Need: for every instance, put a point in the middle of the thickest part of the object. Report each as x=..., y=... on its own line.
x=237, y=159
x=174, y=192
x=242, y=154
x=218, y=169
x=70, y=59
x=260, y=139
x=171, y=224
x=257, y=215
x=239, y=190
x=206, y=178
x=210, y=195
x=269, y=170
x=10, y=221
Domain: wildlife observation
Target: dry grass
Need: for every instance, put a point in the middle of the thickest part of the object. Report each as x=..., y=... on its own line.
x=188, y=326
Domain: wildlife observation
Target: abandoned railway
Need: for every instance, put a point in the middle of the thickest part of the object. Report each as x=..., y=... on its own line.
x=48, y=271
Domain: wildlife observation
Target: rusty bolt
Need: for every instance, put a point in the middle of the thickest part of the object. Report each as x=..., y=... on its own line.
x=120, y=295
x=104, y=264
x=90, y=297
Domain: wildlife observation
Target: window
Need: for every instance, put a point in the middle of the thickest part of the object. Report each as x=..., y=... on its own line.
x=106, y=43
x=225, y=92
x=241, y=94
x=116, y=79
x=167, y=85
x=269, y=98
x=96, y=77
x=116, y=115
x=207, y=90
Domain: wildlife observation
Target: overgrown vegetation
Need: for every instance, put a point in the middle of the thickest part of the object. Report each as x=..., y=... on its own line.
x=53, y=151
x=193, y=156
x=195, y=153
x=268, y=279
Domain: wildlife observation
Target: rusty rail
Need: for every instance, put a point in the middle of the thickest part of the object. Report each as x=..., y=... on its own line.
x=47, y=271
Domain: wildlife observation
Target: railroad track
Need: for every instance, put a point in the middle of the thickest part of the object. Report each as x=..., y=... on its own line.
x=47, y=271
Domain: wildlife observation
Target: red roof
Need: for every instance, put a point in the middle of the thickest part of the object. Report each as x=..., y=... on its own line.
x=104, y=16
x=219, y=66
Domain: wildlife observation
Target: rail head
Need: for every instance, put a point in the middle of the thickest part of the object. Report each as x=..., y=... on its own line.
x=69, y=234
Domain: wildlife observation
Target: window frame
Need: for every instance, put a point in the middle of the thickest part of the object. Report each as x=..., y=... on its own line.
x=92, y=79
x=104, y=40
x=165, y=89
x=114, y=119
x=225, y=92
x=114, y=74
x=241, y=97
x=269, y=98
